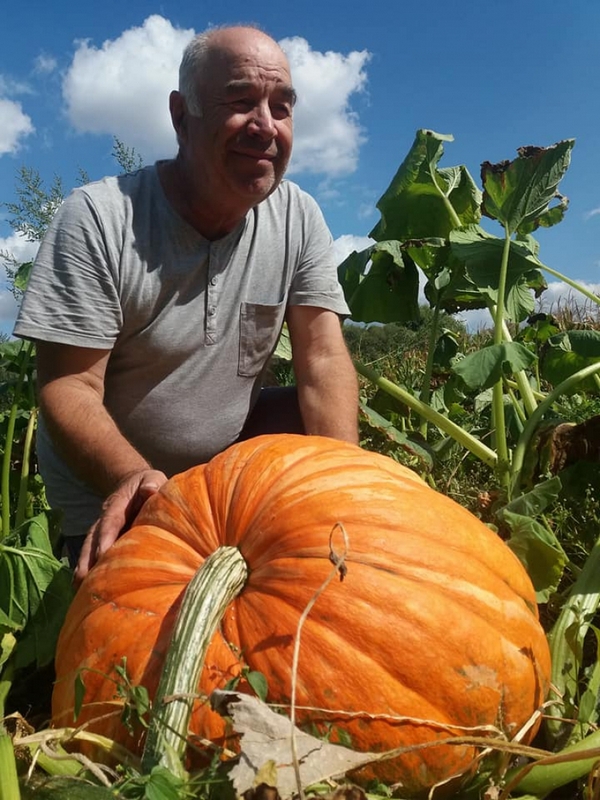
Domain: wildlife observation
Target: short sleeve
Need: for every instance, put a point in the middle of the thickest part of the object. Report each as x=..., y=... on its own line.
x=315, y=281
x=72, y=296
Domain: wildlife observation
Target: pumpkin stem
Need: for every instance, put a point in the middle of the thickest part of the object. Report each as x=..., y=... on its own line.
x=220, y=578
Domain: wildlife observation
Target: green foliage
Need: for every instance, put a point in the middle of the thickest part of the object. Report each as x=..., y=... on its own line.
x=126, y=157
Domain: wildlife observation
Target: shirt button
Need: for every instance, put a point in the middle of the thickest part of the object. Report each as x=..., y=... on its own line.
x=213, y=281
x=211, y=311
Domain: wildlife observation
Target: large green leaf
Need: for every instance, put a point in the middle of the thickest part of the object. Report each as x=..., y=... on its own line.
x=446, y=285
x=388, y=290
x=539, y=551
x=353, y=269
x=518, y=193
x=481, y=253
x=566, y=353
x=485, y=367
x=387, y=428
x=35, y=590
x=423, y=201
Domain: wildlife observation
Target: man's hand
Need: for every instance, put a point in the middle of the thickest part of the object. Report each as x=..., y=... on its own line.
x=118, y=512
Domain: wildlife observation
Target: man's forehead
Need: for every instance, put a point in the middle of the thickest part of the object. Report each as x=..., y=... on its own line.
x=237, y=85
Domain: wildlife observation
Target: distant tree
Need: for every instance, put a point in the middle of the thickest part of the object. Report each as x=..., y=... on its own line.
x=126, y=157
x=35, y=205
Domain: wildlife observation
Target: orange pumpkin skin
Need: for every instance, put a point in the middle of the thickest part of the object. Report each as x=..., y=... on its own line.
x=435, y=621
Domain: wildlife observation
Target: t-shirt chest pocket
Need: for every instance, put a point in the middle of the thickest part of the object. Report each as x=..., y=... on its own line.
x=260, y=326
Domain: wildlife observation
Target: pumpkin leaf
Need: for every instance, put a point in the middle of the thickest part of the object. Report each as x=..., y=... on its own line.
x=266, y=739
x=538, y=550
x=481, y=253
x=485, y=367
x=424, y=201
x=518, y=193
x=389, y=430
x=535, y=502
x=35, y=591
x=381, y=284
x=566, y=353
x=259, y=684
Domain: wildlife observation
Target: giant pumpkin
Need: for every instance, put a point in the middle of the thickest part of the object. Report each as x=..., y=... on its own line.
x=433, y=630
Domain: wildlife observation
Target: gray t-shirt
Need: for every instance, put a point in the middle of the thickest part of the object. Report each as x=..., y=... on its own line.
x=191, y=323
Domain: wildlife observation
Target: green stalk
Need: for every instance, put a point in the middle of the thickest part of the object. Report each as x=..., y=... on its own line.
x=426, y=386
x=449, y=207
x=9, y=783
x=566, y=643
x=498, y=418
x=463, y=437
x=563, y=388
x=26, y=351
x=24, y=480
x=570, y=764
x=220, y=578
x=527, y=393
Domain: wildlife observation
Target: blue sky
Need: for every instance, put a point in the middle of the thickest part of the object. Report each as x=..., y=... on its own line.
x=496, y=75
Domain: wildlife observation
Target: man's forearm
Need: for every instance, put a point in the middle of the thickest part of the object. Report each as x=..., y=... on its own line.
x=86, y=436
x=329, y=399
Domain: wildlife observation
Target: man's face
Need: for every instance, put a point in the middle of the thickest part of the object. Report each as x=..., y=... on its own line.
x=240, y=146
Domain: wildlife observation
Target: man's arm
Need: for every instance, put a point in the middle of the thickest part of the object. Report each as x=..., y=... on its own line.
x=325, y=375
x=71, y=393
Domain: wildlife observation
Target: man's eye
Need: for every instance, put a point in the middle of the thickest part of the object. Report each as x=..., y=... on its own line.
x=244, y=104
x=281, y=111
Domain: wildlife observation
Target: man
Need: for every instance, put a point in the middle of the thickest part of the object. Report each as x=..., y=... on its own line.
x=157, y=299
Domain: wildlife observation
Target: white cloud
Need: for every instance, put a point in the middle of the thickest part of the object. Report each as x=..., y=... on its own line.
x=327, y=133
x=478, y=319
x=14, y=126
x=348, y=243
x=21, y=250
x=44, y=64
x=593, y=213
x=123, y=87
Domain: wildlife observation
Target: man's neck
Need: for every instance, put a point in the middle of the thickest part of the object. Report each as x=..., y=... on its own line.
x=211, y=220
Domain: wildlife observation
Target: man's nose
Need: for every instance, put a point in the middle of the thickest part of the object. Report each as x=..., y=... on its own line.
x=261, y=122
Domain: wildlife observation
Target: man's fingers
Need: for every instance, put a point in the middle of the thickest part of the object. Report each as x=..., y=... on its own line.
x=118, y=512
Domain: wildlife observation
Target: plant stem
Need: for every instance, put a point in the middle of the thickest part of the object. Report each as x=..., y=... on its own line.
x=449, y=207
x=573, y=284
x=498, y=418
x=570, y=764
x=463, y=437
x=426, y=386
x=220, y=578
x=24, y=481
x=25, y=352
x=9, y=783
x=527, y=393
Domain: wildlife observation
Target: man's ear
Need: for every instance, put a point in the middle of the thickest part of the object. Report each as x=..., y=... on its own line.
x=178, y=112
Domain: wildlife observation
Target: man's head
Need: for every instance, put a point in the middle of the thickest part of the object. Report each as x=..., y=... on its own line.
x=233, y=113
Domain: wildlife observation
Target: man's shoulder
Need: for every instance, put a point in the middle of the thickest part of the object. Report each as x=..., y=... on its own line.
x=126, y=185
x=289, y=193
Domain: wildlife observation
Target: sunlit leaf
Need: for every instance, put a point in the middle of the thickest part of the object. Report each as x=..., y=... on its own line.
x=539, y=551
x=485, y=367
x=566, y=353
x=389, y=290
x=423, y=201
x=35, y=590
x=259, y=684
x=518, y=193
